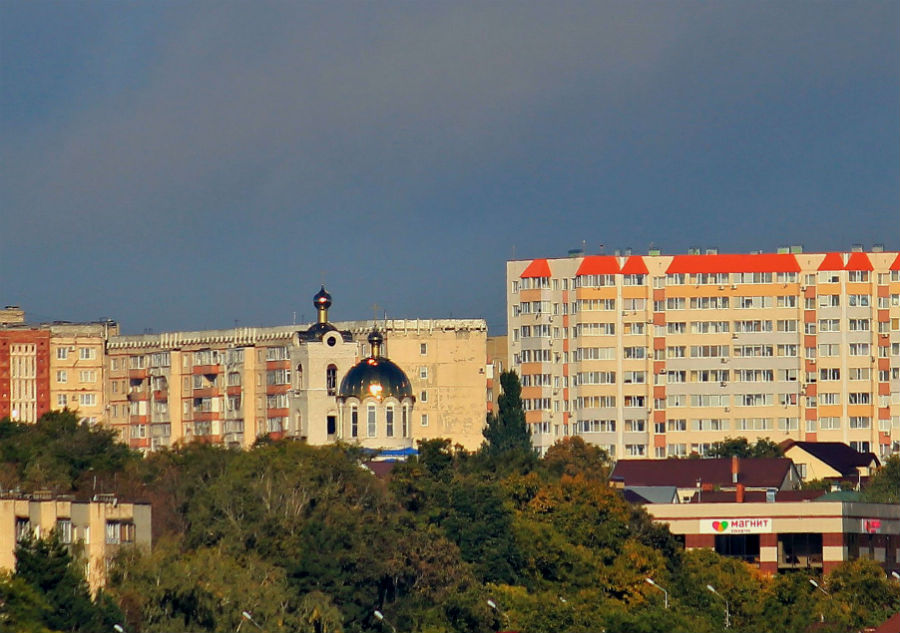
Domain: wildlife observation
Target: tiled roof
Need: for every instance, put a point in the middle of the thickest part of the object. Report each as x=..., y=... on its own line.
x=896, y=264
x=598, y=265
x=859, y=261
x=838, y=455
x=832, y=261
x=763, y=263
x=537, y=268
x=634, y=265
x=767, y=472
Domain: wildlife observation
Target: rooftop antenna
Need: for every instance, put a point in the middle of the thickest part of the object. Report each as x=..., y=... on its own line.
x=513, y=251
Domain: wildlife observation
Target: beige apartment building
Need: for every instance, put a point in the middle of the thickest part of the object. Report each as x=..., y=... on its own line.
x=660, y=355
x=95, y=529
x=232, y=386
x=51, y=366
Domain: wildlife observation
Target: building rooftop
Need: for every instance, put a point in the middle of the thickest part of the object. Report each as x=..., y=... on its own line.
x=686, y=473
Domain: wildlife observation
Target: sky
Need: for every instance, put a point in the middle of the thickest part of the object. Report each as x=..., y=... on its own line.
x=186, y=166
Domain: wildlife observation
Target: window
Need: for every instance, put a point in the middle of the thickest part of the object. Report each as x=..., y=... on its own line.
x=64, y=530
x=389, y=421
x=860, y=397
x=860, y=325
x=87, y=399
x=354, y=422
x=424, y=419
x=87, y=375
x=87, y=353
x=676, y=426
x=331, y=380
x=62, y=353
x=61, y=400
x=859, y=300
x=860, y=422
x=423, y=348
x=119, y=532
x=23, y=528
x=62, y=376
x=423, y=397
x=859, y=349
x=829, y=301
x=275, y=353
x=404, y=421
x=423, y=373
x=370, y=420
x=829, y=423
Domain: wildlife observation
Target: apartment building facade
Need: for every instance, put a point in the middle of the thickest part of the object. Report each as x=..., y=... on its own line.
x=94, y=529
x=659, y=355
x=232, y=386
x=53, y=366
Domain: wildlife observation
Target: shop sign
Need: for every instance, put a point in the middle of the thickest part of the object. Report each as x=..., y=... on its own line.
x=735, y=525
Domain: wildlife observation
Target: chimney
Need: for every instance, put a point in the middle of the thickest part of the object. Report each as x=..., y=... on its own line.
x=739, y=495
x=735, y=469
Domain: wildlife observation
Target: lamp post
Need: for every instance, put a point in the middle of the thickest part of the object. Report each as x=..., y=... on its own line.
x=727, y=612
x=650, y=582
x=380, y=617
x=493, y=605
x=246, y=615
x=819, y=587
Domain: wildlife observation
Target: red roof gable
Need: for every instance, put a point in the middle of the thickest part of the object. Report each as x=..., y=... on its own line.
x=896, y=264
x=598, y=265
x=832, y=261
x=635, y=265
x=765, y=472
x=537, y=268
x=859, y=261
x=764, y=263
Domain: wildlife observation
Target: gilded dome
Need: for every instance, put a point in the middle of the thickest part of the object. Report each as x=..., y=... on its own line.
x=375, y=376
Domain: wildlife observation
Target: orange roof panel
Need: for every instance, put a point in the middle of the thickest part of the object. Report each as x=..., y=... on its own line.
x=764, y=263
x=832, y=261
x=859, y=261
x=537, y=268
x=896, y=264
x=635, y=265
x=598, y=265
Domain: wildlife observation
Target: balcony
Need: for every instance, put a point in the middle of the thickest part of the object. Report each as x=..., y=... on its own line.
x=203, y=416
x=161, y=394
x=234, y=390
x=273, y=389
x=136, y=396
x=206, y=392
x=277, y=413
x=207, y=370
x=278, y=364
x=139, y=419
x=138, y=374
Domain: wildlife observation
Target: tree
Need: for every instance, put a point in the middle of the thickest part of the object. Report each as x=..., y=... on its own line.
x=868, y=595
x=22, y=607
x=573, y=456
x=741, y=447
x=884, y=487
x=506, y=432
x=46, y=565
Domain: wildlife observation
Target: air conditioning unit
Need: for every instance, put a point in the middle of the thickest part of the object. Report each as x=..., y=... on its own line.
x=812, y=361
x=723, y=384
x=734, y=286
x=721, y=287
x=803, y=288
x=723, y=360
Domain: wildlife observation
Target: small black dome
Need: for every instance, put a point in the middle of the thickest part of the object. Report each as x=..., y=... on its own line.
x=322, y=299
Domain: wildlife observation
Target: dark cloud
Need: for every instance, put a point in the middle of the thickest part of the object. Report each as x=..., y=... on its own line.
x=185, y=166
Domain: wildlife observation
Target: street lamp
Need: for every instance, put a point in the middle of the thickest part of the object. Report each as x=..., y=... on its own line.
x=895, y=575
x=650, y=582
x=727, y=612
x=819, y=587
x=246, y=615
x=493, y=605
x=118, y=628
x=380, y=617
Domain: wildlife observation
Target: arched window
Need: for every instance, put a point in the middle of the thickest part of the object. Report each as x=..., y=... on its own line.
x=331, y=380
x=354, y=422
x=370, y=420
x=389, y=421
x=299, y=376
x=404, y=421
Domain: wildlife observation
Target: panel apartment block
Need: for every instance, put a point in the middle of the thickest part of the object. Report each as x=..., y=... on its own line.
x=657, y=355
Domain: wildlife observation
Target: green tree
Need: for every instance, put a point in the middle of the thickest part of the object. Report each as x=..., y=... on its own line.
x=868, y=595
x=22, y=607
x=741, y=447
x=573, y=456
x=46, y=565
x=506, y=432
x=884, y=486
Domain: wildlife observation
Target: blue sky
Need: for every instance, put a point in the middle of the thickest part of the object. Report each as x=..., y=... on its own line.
x=192, y=165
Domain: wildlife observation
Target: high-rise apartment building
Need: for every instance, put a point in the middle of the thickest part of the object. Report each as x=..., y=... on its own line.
x=659, y=355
